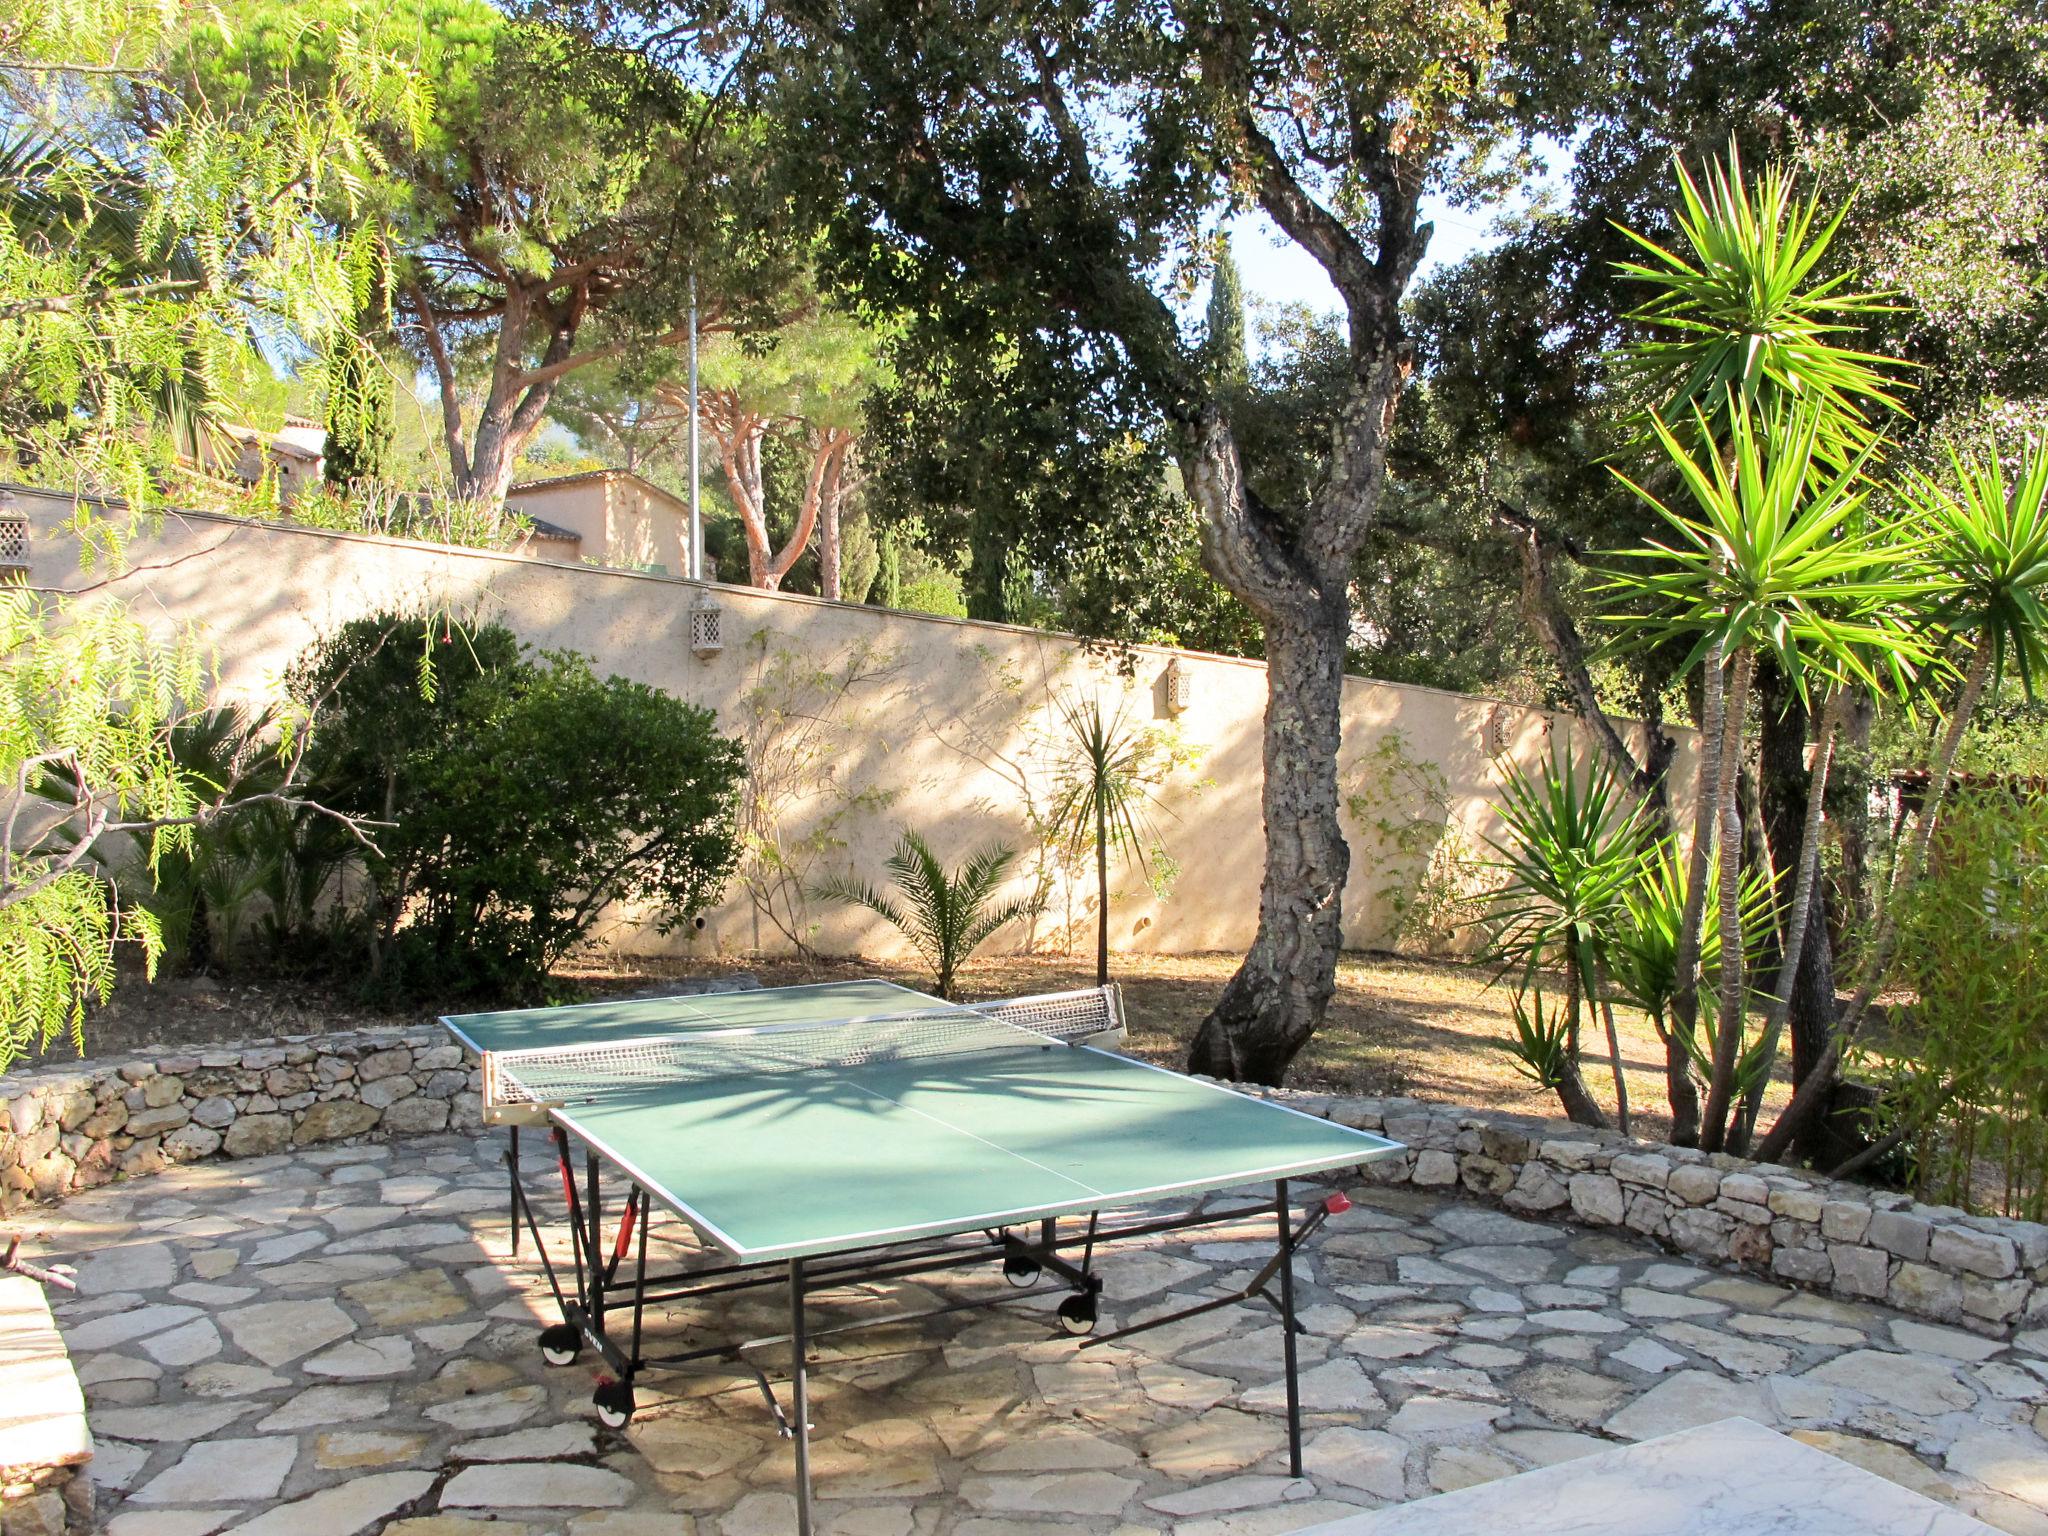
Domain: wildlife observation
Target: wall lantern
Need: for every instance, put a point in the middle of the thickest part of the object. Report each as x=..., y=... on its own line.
x=13, y=540
x=1497, y=730
x=707, y=627
x=1177, y=687
x=1503, y=722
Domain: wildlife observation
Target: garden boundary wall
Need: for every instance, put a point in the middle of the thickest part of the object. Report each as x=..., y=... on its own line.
x=68, y=1128
x=857, y=721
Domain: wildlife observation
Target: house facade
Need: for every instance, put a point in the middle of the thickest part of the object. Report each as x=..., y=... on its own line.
x=606, y=517
x=295, y=452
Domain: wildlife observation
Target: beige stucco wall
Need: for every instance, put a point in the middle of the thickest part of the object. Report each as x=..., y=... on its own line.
x=860, y=720
x=647, y=528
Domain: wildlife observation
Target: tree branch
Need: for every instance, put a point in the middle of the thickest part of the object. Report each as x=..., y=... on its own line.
x=93, y=298
x=1544, y=610
x=444, y=371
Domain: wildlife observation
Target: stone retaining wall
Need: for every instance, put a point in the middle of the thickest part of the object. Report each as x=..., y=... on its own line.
x=71, y=1127
x=45, y=1501
x=1981, y=1272
x=44, y=1442
x=64, y=1129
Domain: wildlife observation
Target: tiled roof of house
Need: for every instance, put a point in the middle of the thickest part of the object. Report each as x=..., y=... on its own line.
x=541, y=528
x=271, y=443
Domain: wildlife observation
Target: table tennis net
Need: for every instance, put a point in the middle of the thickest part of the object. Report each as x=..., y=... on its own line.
x=567, y=1074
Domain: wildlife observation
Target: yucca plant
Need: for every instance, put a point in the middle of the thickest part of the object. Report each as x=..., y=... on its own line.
x=1106, y=799
x=1984, y=539
x=1573, y=839
x=1983, y=553
x=946, y=915
x=1643, y=954
x=1543, y=1046
x=1741, y=316
x=1776, y=556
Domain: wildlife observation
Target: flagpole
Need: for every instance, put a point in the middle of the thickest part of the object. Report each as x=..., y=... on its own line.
x=696, y=509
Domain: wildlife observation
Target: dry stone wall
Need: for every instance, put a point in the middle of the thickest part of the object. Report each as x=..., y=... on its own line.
x=1981, y=1272
x=65, y=1129
x=68, y=1128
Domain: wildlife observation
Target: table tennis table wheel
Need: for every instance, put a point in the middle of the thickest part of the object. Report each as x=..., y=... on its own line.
x=561, y=1343
x=1077, y=1313
x=614, y=1401
x=1019, y=1270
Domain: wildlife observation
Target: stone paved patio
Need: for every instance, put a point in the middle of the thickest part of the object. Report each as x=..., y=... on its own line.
x=337, y=1341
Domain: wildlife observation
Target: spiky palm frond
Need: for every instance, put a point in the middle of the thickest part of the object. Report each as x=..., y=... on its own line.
x=1572, y=845
x=1985, y=542
x=1643, y=949
x=946, y=915
x=1743, y=317
x=1541, y=1045
x=1778, y=554
x=1108, y=783
x=1106, y=798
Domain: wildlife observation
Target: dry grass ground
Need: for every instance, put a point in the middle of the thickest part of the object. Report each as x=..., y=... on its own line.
x=1429, y=1029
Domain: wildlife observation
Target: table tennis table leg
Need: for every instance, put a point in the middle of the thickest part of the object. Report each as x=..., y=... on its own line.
x=512, y=1166
x=1287, y=1325
x=594, y=1245
x=800, y=1404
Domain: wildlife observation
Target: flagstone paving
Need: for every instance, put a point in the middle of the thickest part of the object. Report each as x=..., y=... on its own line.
x=338, y=1341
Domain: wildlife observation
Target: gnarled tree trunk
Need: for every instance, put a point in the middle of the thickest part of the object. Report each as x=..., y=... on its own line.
x=1278, y=996
x=1294, y=572
x=516, y=397
x=1783, y=778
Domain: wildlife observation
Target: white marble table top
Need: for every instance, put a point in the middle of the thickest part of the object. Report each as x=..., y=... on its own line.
x=1717, y=1480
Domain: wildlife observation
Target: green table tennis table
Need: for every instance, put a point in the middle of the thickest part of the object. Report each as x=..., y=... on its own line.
x=823, y=1137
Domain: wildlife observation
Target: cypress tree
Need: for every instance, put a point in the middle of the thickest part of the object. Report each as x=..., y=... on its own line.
x=1224, y=357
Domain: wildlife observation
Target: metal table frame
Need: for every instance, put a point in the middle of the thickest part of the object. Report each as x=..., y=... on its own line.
x=602, y=1286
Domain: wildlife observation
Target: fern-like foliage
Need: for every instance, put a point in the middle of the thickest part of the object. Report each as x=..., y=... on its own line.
x=57, y=953
x=946, y=915
x=151, y=237
x=89, y=702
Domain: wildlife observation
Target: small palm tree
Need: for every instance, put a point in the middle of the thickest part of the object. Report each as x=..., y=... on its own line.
x=1105, y=800
x=1775, y=557
x=946, y=915
x=1644, y=951
x=1772, y=421
x=1984, y=553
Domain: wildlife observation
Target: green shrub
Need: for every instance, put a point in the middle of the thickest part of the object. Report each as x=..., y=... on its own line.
x=1966, y=1072
x=523, y=795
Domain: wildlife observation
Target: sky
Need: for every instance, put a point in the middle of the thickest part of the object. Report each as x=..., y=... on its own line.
x=1276, y=270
